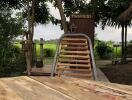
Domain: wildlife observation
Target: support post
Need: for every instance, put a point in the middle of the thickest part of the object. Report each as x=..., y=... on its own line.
x=41, y=49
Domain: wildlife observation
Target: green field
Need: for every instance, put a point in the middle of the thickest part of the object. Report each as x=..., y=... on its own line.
x=45, y=46
x=49, y=46
x=118, y=52
x=52, y=47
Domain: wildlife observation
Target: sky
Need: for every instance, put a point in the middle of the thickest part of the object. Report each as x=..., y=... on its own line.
x=51, y=31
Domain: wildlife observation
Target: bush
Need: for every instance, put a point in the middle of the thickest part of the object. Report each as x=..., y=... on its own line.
x=12, y=61
x=103, y=51
x=130, y=41
x=48, y=52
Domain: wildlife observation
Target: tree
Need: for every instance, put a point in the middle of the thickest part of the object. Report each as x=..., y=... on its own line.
x=29, y=40
x=34, y=11
x=111, y=18
x=125, y=18
x=9, y=29
x=63, y=18
x=106, y=13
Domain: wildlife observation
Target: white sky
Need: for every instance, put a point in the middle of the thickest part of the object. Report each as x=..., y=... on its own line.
x=50, y=31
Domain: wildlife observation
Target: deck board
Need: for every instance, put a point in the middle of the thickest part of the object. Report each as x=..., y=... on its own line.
x=56, y=88
x=8, y=94
x=68, y=89
x=30, y=89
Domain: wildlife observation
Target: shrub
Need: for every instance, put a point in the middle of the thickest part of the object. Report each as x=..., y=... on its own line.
x=103, y=51
x=130, y=41
x=11, y=61
x=48, y=52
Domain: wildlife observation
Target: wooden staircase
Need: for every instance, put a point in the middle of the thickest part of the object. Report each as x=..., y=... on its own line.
x=74, y=57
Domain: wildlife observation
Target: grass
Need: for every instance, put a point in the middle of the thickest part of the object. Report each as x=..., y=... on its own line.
x=51, y=46
x=18, y=45
x=118, y=54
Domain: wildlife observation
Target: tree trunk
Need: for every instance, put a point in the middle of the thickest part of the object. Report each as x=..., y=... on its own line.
x=125, y=44
x=27, y=53
x=122, y=38
x=63, y=18
x=30, y=38
x=32, y=20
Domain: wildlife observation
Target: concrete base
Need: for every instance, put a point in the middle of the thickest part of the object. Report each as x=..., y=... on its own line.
x=101, y=76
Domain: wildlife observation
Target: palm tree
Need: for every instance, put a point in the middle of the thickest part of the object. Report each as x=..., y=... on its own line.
x=125, y=18
x=114, y=17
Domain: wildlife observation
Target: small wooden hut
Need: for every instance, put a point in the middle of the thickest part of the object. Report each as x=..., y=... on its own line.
x=82, y=24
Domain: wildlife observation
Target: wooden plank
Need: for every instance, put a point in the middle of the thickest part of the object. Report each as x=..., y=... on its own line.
x=73, y=60
x=74, y=48
x=75, y=69
x=111, y=88
x=116, y=87
x=69, y=89
x=30, y=89
x=74, y=56
x=74, y=65
x=78, y=75
x=6, y=93
x=76, y=52
x=67, y=43
x=45, y=88
x=74, y=39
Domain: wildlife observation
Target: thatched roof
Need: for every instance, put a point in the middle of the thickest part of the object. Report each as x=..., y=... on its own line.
x=126, y=15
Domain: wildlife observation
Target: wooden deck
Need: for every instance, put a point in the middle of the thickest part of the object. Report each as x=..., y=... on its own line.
x=47, y=88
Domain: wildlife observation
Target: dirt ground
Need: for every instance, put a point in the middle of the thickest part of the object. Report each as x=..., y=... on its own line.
x=119, y=73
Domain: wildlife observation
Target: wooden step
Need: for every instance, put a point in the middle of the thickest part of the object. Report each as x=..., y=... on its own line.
x=78, y=74
x=76, y=52
x=74, y=48
x=74, y=56
x=73, y=65
x=67, y=43
x=72, y=60
x=74, y=39
x=88, y=70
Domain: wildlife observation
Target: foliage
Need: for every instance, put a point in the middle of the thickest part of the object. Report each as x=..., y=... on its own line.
x=103, y=51
x=117, y=52
x=48, y=52
x=42, y=14
x=16, y=4
x=130, y=41
x=10, y=27
x=106, y=12
x=11, y=61
x=72, y=6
